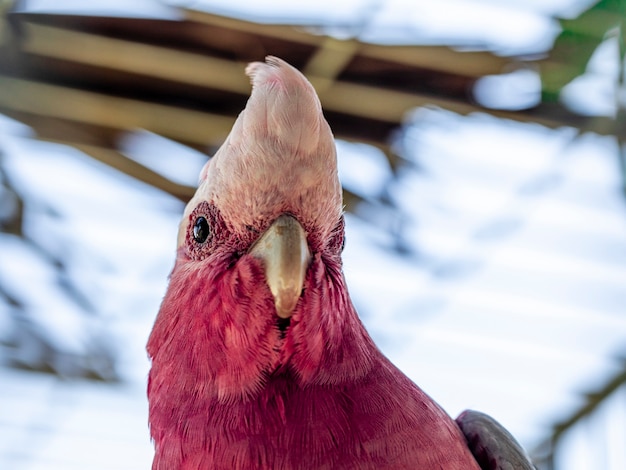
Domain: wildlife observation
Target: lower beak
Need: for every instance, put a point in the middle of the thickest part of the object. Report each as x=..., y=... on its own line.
x=285, y=254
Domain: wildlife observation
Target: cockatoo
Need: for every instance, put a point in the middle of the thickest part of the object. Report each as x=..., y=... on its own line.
x=259, y=359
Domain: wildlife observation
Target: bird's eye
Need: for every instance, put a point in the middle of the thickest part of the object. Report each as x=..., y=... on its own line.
x=201, y=230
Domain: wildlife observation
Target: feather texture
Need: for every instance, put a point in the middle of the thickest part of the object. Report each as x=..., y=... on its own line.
x=229, y=387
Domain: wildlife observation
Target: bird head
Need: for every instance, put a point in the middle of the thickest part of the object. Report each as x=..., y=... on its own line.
x=275, y=175
x=257, y=286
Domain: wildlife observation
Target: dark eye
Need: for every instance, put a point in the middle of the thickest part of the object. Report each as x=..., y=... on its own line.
x=201, y=230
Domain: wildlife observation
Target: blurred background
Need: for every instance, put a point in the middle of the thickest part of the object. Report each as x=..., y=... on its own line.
x=481, y=149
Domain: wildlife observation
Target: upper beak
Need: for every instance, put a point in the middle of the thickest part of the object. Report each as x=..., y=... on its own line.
x=285, y=253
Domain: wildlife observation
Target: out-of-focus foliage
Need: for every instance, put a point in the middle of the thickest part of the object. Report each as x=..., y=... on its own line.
x=27, y=341
x=577, y=41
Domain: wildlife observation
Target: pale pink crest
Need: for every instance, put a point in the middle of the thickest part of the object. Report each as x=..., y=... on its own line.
x=279, y=157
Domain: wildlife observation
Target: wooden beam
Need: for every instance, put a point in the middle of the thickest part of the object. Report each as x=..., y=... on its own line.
x=439, y=58
x=201, y=128
x=328, y=61
x=170, y=64
x=349, y=98
x=207, y=129
x=442, y=59
x=135, y=57
x=285, y=32
x=109, y=111
x=391, y=105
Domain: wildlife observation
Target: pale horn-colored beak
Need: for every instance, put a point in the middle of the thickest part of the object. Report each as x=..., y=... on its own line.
x=285, y=254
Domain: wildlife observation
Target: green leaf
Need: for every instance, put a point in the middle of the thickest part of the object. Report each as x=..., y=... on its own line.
x=576, y=43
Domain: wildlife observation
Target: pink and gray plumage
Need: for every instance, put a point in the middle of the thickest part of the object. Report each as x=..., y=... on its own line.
x=259, y=360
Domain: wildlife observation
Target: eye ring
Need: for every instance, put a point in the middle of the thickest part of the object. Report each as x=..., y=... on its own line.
x=201, y=230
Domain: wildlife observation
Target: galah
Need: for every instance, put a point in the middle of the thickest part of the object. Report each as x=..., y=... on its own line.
x=259, y=359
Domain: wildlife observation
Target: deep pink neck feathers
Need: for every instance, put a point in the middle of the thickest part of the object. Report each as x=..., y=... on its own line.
x=229, y=390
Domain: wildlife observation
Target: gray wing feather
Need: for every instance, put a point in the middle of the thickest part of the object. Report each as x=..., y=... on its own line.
x=494, y=448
